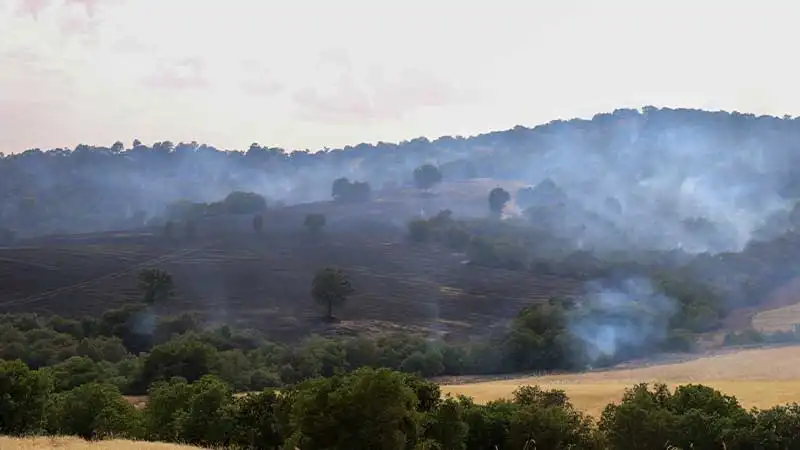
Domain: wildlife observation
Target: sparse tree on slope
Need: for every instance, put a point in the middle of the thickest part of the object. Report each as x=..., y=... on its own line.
x=330, y=288
x=156, y=285
x=498, y=197
x=427, y=176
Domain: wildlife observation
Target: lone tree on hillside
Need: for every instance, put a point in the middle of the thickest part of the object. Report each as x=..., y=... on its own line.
x=156, y=285
x=498, y=197
x=343, y=190
x=258, y=223
x=427, y=176
x=315, y=222
x=330, y=287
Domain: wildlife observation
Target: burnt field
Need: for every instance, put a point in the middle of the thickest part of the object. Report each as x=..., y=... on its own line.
x=231, y=275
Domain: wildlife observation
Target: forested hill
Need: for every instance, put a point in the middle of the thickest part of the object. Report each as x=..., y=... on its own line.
x=680, y=163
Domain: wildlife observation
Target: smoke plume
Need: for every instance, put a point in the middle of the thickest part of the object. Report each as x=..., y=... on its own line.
x=619, y=319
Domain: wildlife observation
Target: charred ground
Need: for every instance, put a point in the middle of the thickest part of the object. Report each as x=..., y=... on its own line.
x=231, y=275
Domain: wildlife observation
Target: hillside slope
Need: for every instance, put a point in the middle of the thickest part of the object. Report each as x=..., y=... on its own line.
x=263, y=281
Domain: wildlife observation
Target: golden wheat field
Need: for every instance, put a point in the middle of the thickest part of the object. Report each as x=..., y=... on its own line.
x=70, y=443
x=757, y=377
x=779, y=319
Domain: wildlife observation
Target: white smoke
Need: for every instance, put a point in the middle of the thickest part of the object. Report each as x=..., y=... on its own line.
x=624, y=316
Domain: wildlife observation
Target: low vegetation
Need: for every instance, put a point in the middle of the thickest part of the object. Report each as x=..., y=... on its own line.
x=383, y=409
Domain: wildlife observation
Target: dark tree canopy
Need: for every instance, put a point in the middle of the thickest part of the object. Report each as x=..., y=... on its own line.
x=344, y=190
x=427, y=176
x=156, y=285
x=498, y=197
x=99, y=187
x=330, y=288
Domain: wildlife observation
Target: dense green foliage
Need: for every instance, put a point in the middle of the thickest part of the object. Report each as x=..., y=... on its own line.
x=383, y=409
x=156, y=285
x=131, y=348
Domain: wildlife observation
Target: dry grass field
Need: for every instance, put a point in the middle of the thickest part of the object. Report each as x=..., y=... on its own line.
x=779, y=319
x=757, y=377
x=72, y=443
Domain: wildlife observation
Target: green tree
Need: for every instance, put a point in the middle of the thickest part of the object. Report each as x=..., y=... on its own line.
x=167, y=402
x=156, y=285
x=186, y=357
x=331, y=287
x=255, y=421
x=207, y=419
x=365, y=410
x=23, y=398
x=445, y=425
x=498, y=197
x=427, y=176
x=94, y=410
x=315, y=222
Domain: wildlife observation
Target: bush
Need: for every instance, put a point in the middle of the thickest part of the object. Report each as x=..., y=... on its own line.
x=94, y=410
x=24, y=396
x=365, y=410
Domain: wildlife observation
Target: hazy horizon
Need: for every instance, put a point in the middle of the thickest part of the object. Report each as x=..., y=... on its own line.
x=311, y=75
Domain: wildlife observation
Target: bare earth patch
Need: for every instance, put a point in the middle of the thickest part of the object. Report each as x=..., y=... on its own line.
x=757, y=377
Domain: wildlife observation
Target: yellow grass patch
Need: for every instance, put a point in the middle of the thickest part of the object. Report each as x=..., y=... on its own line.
x=780, y=319
x=757, y=377
x=72, y=443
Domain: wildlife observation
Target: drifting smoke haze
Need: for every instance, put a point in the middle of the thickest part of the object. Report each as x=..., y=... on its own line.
x=656, y=179
x=615, y=318
x=669, y=184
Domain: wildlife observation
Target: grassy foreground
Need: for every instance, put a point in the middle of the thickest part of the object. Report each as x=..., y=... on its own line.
x=756, y=377
x=73, y=443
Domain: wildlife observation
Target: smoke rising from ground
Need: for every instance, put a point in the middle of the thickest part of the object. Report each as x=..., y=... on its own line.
x=621, y=318
x=667, y=180
x=656, y=179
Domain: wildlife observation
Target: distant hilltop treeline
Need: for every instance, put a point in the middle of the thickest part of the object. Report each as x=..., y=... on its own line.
x=92, y=188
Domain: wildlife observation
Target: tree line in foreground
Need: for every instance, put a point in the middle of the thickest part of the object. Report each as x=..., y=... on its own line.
x=377, y=409
x=131, y=348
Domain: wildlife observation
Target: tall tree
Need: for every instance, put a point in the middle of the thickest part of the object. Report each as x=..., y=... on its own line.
x=427, y=176
x=156, y=285
x=330, y=288
x=498, y=197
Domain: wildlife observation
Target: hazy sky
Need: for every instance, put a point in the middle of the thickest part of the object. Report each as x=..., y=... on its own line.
x=308, y=74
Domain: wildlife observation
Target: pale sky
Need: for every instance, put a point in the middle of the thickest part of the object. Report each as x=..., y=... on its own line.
x=308, y=74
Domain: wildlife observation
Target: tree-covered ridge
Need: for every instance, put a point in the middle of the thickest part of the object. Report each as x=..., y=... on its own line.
x=96, y=187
